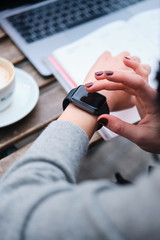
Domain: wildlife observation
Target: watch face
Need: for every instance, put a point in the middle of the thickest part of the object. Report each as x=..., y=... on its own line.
x=89, y=101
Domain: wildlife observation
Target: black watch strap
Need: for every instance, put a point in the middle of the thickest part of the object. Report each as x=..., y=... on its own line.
x=104, y=109
x=66, y=101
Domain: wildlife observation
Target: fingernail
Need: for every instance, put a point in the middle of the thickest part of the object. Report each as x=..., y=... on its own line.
x=103, y=121
x=127, y=58
x=88, y=85
x=108, y=73
x=98, y=73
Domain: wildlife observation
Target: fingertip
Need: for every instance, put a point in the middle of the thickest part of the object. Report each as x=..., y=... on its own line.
x=99, y=73
x=113, y=123
x=108, y=73
x=124, y=53
x=88, y=85
x=129, y=62
x=147, y=68
x=100, y=77
x=103, y=121
x=127, y=58
x=132, y=58
x=136, y=58
x=107, y=53
x=103, y=74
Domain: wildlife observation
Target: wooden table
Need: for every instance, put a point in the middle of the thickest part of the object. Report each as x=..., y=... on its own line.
x=20, y=135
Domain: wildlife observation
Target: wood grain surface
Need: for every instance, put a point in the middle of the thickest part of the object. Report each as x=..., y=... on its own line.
x=2, y=33
x=9, y=51
x=26, y=66
x=47, y=109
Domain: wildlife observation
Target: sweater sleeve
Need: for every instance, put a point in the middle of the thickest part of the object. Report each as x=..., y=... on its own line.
x=55, y=155
x=40, y=200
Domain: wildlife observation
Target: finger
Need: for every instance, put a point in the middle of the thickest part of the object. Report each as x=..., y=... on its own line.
x=106, y=85
x=133, y=84
x=126, y=78
x=141, y=135
x=147, y=68
x=140, y=107
x=102, y=75
x=123, y=54
x=105, y=55
x=136, y=58
x=141, y=69
x=120, y=127
x=131, y=80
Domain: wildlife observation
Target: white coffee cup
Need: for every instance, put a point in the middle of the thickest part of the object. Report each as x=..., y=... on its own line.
x=7, y=83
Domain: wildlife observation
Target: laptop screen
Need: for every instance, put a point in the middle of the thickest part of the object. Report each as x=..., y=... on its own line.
x=7, y=4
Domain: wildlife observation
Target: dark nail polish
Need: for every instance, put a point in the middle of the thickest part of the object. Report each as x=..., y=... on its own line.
x=127, y=58
x=98, y=73
x=88, y=85
x=108, y=73
x=103, y=121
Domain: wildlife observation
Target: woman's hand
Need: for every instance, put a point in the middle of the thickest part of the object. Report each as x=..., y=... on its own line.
x=87, y=121
x=121, y=99
x=146, y=133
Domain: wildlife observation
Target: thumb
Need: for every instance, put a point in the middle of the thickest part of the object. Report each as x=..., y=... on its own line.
x=120, y=127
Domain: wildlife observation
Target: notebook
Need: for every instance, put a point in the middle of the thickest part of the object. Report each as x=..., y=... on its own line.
x=140, y=35
x=39, y=28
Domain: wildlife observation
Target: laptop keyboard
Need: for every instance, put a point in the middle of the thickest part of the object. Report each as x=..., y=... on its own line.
x=55, y=17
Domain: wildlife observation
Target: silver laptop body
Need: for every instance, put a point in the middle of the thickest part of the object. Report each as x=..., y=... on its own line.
x=38, y=50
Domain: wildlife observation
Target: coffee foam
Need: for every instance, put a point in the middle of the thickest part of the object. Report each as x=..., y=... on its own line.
x=5, y=76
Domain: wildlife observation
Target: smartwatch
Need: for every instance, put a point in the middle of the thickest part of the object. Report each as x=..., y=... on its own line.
x=93, y=103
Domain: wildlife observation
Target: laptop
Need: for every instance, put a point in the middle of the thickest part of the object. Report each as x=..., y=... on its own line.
x=39, y=27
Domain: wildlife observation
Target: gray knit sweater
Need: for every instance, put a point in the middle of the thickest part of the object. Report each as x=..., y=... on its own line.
x=40, y=200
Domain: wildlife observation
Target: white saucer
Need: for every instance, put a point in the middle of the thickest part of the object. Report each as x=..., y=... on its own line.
x=24, y=100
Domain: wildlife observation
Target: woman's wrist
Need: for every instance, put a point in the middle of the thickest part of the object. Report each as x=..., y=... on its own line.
x=81, y=118
x=84, y=120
